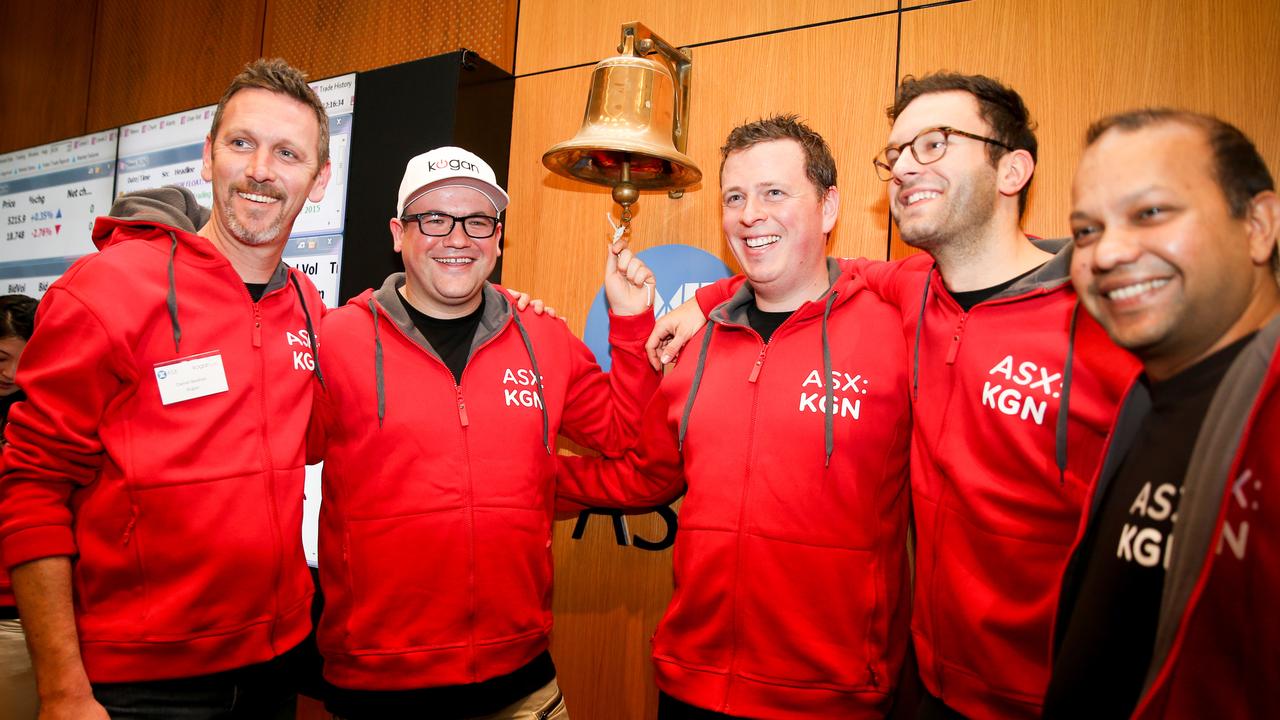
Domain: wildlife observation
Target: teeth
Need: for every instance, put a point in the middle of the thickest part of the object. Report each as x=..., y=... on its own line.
x=916, y=197
x=1131, y=291
x=759, y=242
x=257, y=198
x=454, y=261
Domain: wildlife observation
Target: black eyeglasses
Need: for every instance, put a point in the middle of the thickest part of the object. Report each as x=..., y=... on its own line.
x=438, y=224
x=927, y=147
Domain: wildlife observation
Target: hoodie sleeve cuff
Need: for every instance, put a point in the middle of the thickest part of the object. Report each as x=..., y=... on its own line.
x=38, y=542
x=631, y=327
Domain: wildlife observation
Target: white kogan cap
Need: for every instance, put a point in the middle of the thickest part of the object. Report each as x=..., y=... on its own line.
x=449, y=167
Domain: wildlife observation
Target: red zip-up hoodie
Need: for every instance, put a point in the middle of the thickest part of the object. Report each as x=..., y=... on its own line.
x=998, y=476
x=1217, y=633
x=439, y=497
x=183, y=520
x=791, y=585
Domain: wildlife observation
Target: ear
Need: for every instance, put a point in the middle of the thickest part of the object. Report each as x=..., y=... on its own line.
x=1014, y=171
x=206, y=168
x=497, y=241
x=1262, y=219
x=397, y=234
x=830, y=208
x=318, y=185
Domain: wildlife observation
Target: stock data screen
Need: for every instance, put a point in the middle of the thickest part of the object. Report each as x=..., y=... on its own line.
x=169, y=150
x=49, y=197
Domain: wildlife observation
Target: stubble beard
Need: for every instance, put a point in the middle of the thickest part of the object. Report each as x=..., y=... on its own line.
x=964, y=229
x=254, y=238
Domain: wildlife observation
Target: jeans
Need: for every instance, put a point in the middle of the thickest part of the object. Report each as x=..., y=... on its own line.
x=265, y=691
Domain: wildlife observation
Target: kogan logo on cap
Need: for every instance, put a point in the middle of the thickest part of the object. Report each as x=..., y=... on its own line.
x=452, y=164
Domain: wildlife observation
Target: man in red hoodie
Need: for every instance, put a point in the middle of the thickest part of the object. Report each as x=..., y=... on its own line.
x=152, y=492
x=790, y=427
x=1013, y=391
x=1168, y=609
x=437, y=426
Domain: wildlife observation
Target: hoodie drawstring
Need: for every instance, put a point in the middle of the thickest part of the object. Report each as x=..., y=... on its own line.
x=311, y=331
x=830, y=420
x=697, y=381
x=1064, y=404
x=533, y=361
x=915, y=355
x=172, y=298
x=377, y=363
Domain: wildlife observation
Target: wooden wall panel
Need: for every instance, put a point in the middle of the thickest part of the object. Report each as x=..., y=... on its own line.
x=330, y=37
x=152, y=57
x=45, y=52
x=557, y=34
x=839, y=77
x=1076, y=60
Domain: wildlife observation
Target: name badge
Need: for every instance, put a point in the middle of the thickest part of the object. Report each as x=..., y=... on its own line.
x=191, y=377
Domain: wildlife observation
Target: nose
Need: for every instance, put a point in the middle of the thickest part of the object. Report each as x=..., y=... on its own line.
x=905, y=166
x=752, y=211
x=1114, y=248
x=261, y=166
x=457, y=237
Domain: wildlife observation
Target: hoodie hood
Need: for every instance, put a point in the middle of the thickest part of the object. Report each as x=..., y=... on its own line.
x=173, y=211
x=171, y=206
x=840, y=284
x=1052, y=274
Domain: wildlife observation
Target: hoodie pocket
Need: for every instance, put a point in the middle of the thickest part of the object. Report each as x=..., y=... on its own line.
x=190, y=559
x=810, y=615
x=410, y=582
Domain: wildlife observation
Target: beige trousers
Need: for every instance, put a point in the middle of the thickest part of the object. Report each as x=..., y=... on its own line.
x=546, y=703
x=17, y=679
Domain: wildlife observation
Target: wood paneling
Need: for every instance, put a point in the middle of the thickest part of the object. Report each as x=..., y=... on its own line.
x=1076, y=60
x=839, y=77
x=557, y=34
x=329, y=37
x=45, y=52
x=152, y=57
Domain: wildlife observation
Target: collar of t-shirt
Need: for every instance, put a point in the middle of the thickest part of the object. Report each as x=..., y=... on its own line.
x=449, y=337
x=256, y=290
x=765, y=323
x=967, y=299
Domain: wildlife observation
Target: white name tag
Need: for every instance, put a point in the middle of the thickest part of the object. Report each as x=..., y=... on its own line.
x=191, y=377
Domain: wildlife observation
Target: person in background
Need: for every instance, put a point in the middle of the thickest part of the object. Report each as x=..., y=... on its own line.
x=1168, y=607
x=17, y=678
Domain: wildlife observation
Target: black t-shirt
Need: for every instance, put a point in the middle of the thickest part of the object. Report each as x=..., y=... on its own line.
x=1110, y=632
x=967, y=299
x=256, y=290
x=765, y=323
x=450, y=338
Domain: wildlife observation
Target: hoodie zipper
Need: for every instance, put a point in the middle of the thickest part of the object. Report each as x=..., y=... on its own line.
x=471, y=505
x=257, y=324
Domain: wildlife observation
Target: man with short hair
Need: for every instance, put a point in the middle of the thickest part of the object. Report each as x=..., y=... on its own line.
x=1013, y=393
x=789, y=426
x=155, y=472
x=437, y=425
x=1168, y=606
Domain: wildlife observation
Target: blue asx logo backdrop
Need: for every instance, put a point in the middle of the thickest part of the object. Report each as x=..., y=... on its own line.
x=680, y=271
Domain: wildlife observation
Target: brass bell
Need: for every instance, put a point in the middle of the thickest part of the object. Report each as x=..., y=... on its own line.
x=635, y=128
